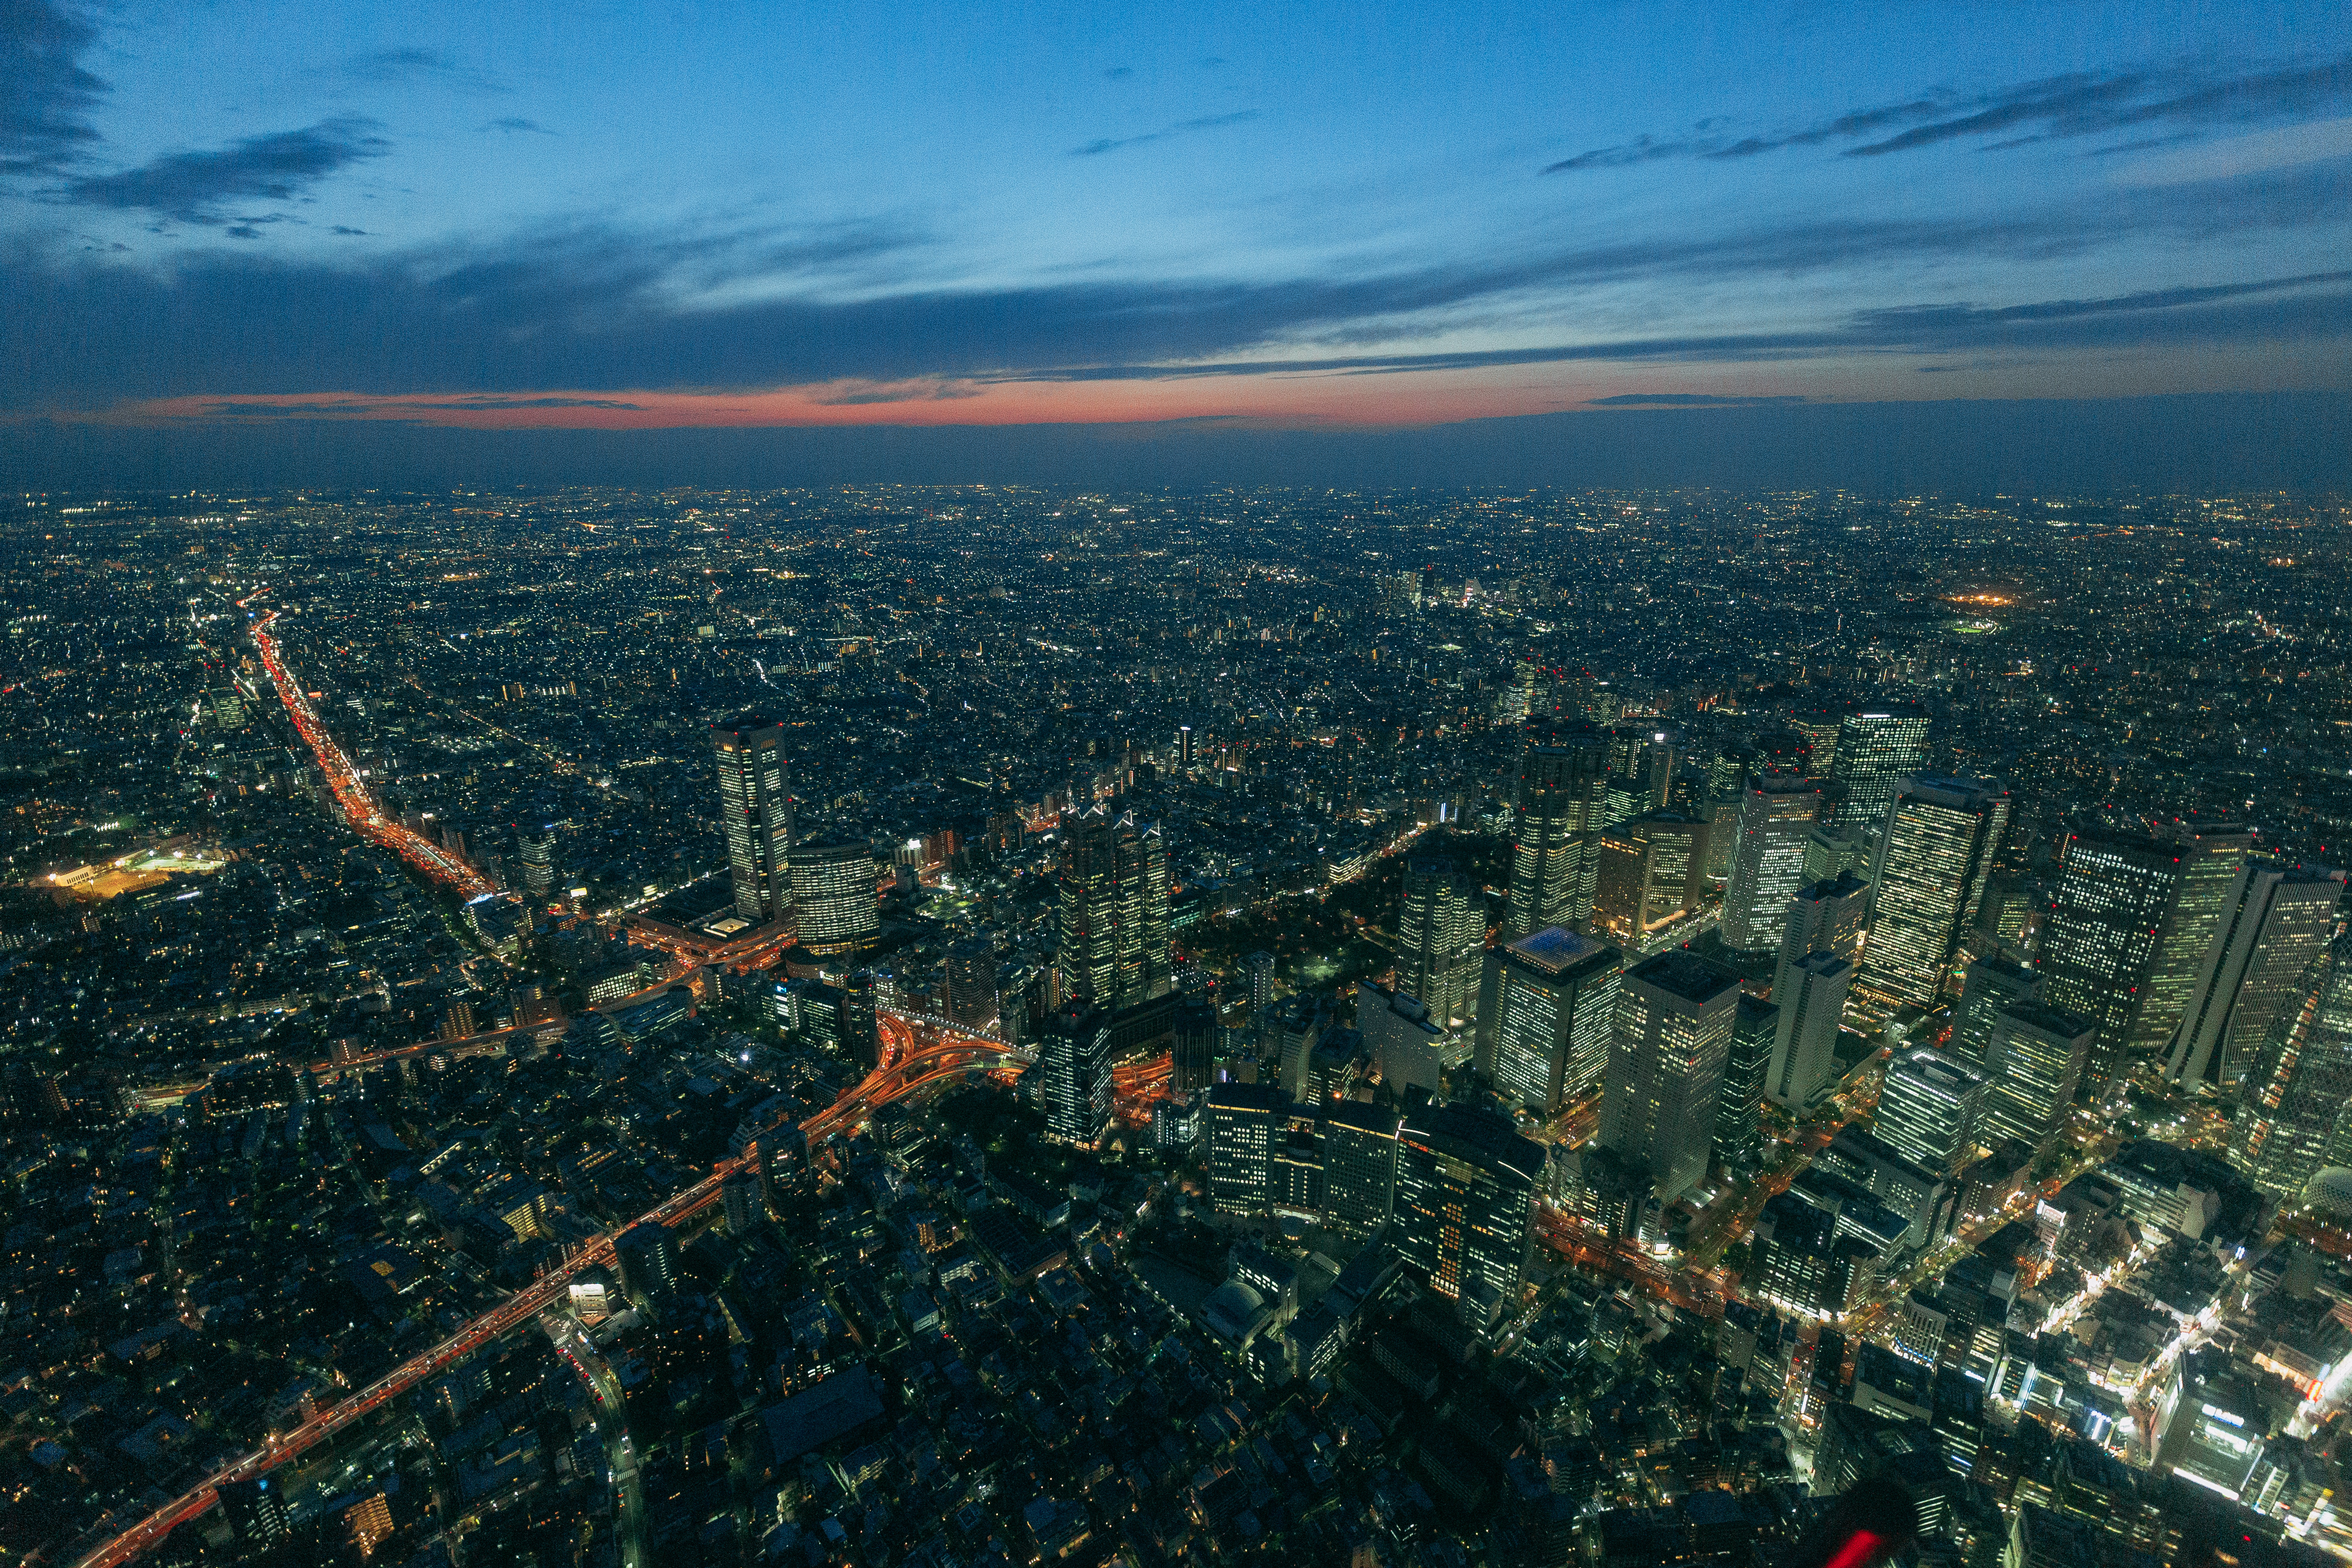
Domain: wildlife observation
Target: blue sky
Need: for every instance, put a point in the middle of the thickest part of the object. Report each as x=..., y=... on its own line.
x=1314, y=214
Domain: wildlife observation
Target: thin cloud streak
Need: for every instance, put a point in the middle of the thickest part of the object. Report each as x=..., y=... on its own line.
x=1181, y=128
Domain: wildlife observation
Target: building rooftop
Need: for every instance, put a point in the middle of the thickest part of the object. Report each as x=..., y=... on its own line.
x=1556, y=948
x=1685, y=974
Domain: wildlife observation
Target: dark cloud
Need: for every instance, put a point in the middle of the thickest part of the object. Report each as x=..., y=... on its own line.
x=1680, y=400
x=349, y=406
x=46, y=96
x=2185, y=98
x=1119, y=73
x=388, y=67
x=512, y=122
x=1181, y=128
x=277, y=166
x=862, y=397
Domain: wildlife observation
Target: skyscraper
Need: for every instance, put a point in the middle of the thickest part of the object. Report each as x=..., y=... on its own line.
x=2101, y=933
x=833, y=886
x=2211, y=854
x=1666, y=1056
x=647, y=1255
x=1257, y=976
x=2032, y=1069
x=741, y=1202
x=1114, y=911
x=1992, y=984
x=1074, y=1068
x=756, y=805
x=1824, y=917
x=1556, y=833
x=1404, y=1041
x=1652, y=872
x=1543, y=1038
x=1755, y=1026
x=538, y=862
x=1811, y=995
x=2298, y=1107
x=1932, y=860
x=1878, y=747
x=1928, y=1109
x=1243, y=1118
x=1440, y=934
x=2275, y=919
x=1360, y=1165
x=1466, y=1183
x=1192, y=1056
x=1776, y=815
x=971, y=983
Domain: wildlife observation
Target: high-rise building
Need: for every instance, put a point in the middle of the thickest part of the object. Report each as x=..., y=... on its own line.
x=1652, y=872
x=1738, y=1127
x=1822, y=917
x=856, y=1018
x=1402, y=1038
x=1832, y=851
x=1243, y=1118
x=1776, y=815
x=1928, y=1109
x=1257, y=977
x=1812, y=996
x=1991, y=983
x=2298, y=1107
x=1295, y=1183
x=1192, y=1056
x=2211, y=854
x=2031, y=1067
x=1465, y=1183
x=1543, y=1028
x=256, y=1514
x=2101, y=934
x=834, y=891
x=538, y=862
x=756, y=805
x=1114, y=911
x=1666, y=1056
x=1440, y=934
x=2275, y=919
x=971, y=983
x=647, y=1255
x=1360, y=1165
x=1878, y=747
x=1074, y=1068
x=1932, y=860
x=741, y=1202
x=1556, y=832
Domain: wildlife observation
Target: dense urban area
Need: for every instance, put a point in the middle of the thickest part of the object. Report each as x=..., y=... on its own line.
x=959, y=1027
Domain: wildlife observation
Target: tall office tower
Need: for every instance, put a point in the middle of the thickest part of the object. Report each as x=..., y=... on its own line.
x=1114, y=911
x=2211, y=854
x=1877, y=749
x=1243, y=1118
x=647, y=1255
x=741, y=1202
x=1652, y=872
x=1543, y=1029
x=2298, y=1110
x=833, y=891
x=1403, y=1038
x=1184, y=748
x=1360, y=1165
x=756, y=805
x=1776, y=815
x=971, y=983
x=1755, y=1026
x=1811, y=995
x=1556, y=835
x=1932, y=860
x=1928, y=1109
x=2276, y=919
x=2032, y=1070
x=857, y=1020
x=1666, y=1056
x=1293, y=1028
x=1257, y=976
x=1466, y=1183
x=1295, y=1166
x=1074, y=1072
x=1824, y=917
x=1992, y=984
x=1192, y=1059
x=2101, y=934
x=1831, y=851
x=1440, y=934
x=256, y=1511
x=1529, y=691
x=538, y=862
x=1819, y=723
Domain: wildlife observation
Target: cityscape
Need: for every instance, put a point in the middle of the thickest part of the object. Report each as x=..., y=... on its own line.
x=981, y=1025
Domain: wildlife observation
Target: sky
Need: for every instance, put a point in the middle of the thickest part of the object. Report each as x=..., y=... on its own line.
x=1313, y=218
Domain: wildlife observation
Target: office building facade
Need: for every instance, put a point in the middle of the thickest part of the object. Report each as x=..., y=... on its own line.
x=1440, y=938
x=1113, y=912
x=1738, y=1125
x=834, y=889
x=2100, y=937
x=1543, y=1030
x=1652, y=872
x=1812, y=997
x=1244, y=1121
x=1360, y=1165
x=1073, y=1070
x=1933, y=862
x=2033, y=1066
x=2274, y=920
x=1878, y=748
x=1556, y=826
x=1990, y=984
x=1666, y=1056
x=2297, y=1111
x=1465, y=1189
x=1928, y=1109
x=755, y=804
x=1776, y=816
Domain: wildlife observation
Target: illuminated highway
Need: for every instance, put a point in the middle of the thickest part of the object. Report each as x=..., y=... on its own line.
x=917, y=1067
x=359, y=807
